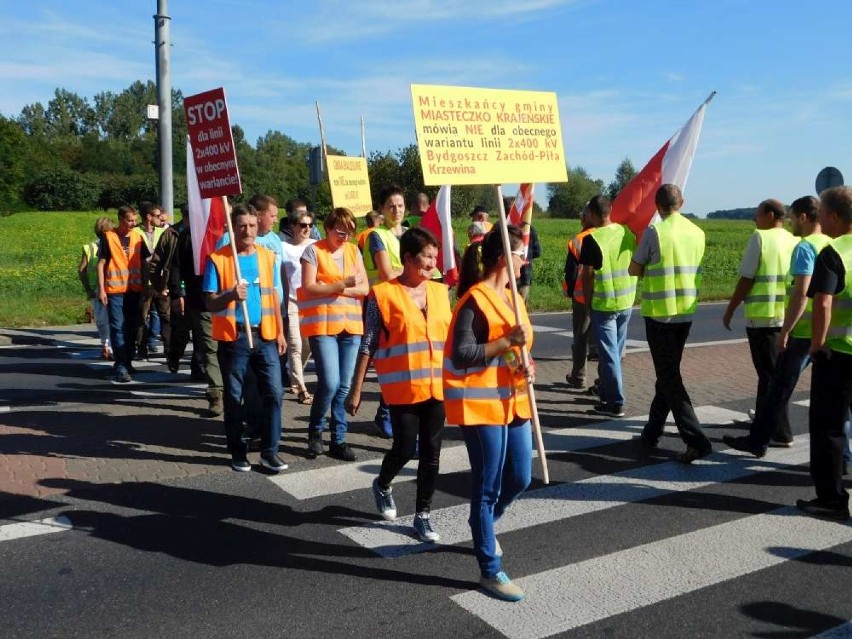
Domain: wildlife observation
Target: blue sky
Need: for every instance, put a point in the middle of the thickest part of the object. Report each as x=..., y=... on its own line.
x=627, y=74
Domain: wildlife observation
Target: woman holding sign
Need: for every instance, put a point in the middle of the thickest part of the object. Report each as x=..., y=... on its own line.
x=333, y=284
x=485, y=393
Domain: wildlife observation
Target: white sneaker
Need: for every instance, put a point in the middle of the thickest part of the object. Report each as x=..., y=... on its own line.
x=423, y=528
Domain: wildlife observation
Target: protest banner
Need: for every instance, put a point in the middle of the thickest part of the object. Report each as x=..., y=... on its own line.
x=350, y=183
x=487, y=136
x=212, y=143
x=215, y=160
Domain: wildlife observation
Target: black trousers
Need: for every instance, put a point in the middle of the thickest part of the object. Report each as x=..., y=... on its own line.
x=426, y=421
x=763, y=344
x=666, y=342
x=831, y=396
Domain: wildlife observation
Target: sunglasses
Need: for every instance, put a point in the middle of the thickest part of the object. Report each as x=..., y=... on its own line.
x=305, y=225
x=343, y=233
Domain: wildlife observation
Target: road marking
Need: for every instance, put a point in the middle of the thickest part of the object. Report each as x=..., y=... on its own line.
x=843, y=631
x=601, y=492
x=320, y=482
x=34, y=528
x=568, y=597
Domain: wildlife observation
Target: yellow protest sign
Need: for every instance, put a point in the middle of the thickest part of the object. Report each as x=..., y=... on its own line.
x=487, y=136
x=350, y=184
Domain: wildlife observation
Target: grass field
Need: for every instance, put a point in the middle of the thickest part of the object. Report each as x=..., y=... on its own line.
x=39, y=253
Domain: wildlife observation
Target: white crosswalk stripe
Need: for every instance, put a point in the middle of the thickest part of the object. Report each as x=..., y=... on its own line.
x=22, y=529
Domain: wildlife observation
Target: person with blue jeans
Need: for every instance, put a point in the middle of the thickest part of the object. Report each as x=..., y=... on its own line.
x=770, y=427
x=248, y=305
x=485, y=392
x=610, y=291
x=334, y=284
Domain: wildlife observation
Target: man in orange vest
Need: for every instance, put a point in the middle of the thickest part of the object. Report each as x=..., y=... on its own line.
x=230, y=327
x=580, y=324
x=119, y=287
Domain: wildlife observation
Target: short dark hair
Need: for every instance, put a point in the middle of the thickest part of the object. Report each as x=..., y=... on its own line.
x=295, y=217
x=294, y=203
x=807, y=205
x=262, y=202
x=242, y=209
x=147, y=208
x=124, y=210
x=668, y=198
x=415, y=240
x=776, y=207
x=600, y=206
x=389, y=191
x=838, y=200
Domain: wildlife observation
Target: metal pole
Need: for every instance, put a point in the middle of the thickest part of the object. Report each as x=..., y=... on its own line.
x=162, y=44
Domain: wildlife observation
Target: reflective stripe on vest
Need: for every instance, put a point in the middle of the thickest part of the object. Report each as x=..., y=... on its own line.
x=840, y=329
x=391, y=243
x=670, y=286
x=804, y=327
x=224, y=322
x=490, y=394
x=615, y=289
x=411, y=348
x=766, y=297
x=331, y=314
x=122, y=272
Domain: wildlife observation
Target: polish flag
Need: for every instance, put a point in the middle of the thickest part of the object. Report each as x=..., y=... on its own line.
x=520, y=214
x=438, y=220
x=634, y=205
x=206, y=216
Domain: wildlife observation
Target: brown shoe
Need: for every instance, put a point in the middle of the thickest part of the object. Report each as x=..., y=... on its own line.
x=214, y=406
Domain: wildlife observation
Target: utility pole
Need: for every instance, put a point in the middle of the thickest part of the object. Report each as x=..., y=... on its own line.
x=162, y=44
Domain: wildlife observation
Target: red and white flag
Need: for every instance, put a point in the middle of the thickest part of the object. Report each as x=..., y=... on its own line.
x=634, y=205
x=206, y=216
x=438, y=220
x=520, y=214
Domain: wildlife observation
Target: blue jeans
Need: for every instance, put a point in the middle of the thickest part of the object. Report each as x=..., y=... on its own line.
x=234, y=358
x=769, y=418
x=500, y=468
x=334, y=356
x=123, y=310
x=610, y=328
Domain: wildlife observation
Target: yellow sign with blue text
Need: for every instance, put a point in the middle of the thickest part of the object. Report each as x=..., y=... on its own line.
x=487, y=136
x=350, y=184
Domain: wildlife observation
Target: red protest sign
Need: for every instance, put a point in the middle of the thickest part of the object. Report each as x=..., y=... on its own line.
x=212, y=143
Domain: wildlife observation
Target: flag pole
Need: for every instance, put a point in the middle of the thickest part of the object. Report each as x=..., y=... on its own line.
x=237, y=273
x=525, y=356
x=322, y=138
x=363, y=139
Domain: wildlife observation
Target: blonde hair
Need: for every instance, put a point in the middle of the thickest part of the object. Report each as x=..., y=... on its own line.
x=102, y=225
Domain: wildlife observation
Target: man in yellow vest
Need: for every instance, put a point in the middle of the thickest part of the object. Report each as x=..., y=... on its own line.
x=794, y=340
x=383, y=262
x=257, y=288
x=831, y=350
x=610, y=290
x=669, y=260
x=762, y=286
x=580, y=324
x=151, y=230
x=119, y=286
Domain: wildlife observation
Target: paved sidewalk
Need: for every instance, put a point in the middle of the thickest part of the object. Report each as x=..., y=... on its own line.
x=156, y=430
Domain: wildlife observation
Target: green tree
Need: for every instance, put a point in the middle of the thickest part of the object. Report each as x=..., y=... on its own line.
x=623, y=174
x=567, y=199
x=13, y=156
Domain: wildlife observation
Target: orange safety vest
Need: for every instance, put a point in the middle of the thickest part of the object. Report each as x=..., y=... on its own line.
x=361, y=239
x=332, y=314
x=411, y=350
x=124, y=270
x=574, y=246
x=224, y=322
x=490, y=394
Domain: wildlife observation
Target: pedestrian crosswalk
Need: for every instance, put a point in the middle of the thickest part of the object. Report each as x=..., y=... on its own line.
x=568, y=597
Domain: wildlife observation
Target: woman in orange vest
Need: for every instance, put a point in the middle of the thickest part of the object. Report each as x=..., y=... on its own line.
x=406, y=326
x=485, y=393
x=334, y=283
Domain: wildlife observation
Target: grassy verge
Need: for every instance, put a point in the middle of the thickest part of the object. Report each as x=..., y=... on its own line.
x=39, y=253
